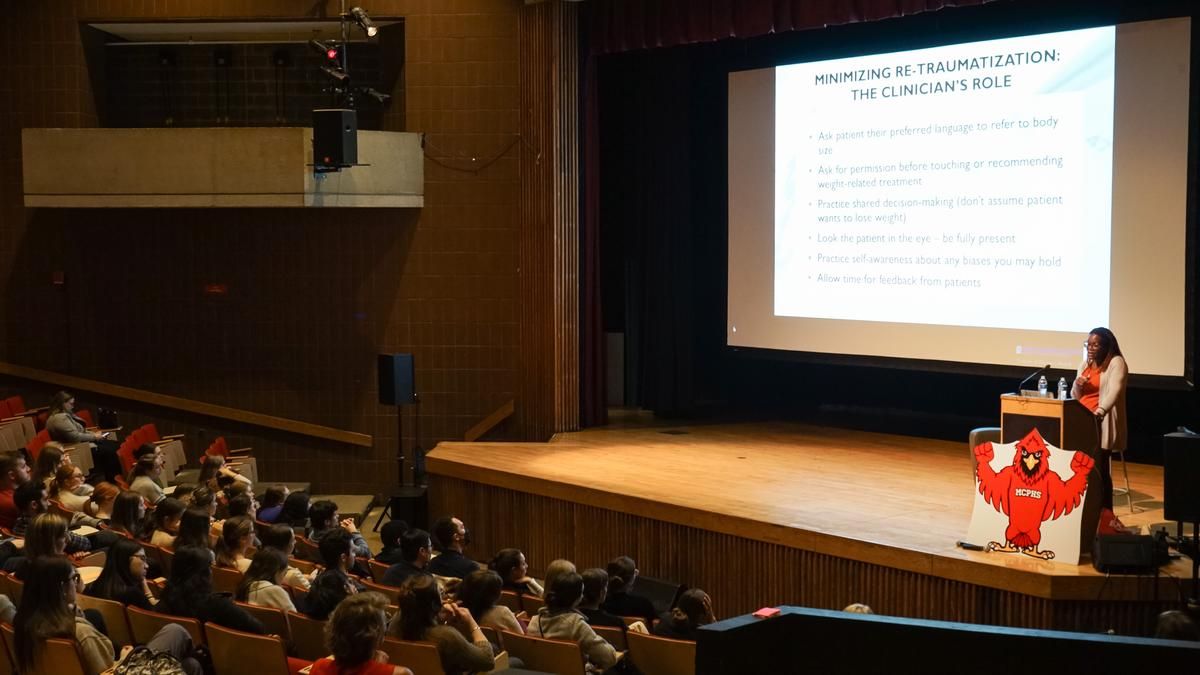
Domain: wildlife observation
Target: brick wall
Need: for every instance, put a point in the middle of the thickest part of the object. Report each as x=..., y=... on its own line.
x=312, y=296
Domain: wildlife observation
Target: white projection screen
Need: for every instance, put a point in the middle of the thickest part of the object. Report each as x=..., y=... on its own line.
x=984, y=203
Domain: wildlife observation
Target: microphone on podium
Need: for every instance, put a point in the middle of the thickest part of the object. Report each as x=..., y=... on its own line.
x=1032, y=375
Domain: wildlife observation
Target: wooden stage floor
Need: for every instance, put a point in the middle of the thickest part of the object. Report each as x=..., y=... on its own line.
x=893, y=501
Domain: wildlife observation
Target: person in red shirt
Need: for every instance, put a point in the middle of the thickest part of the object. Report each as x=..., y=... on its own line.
x=13, y=472
x=1100, y=387
x=355, y=633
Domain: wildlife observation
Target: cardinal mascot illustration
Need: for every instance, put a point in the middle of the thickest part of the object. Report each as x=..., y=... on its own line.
x=1029, y=493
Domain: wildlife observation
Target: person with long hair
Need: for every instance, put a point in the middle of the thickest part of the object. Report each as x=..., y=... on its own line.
x=189, y=592
x=48, y=611
x=67, y=479
x=128, y=515
x=194, y=531
x=354, y=634
x=48, y=461
x=559, y=620
x=165, y=523
x=692, y=610
x=510, y=564
x=217, y=475
x=1100, y=387
x=144, y=477
x=595, y=590
x=65, y=426
x=123, y=578
x=237, y=534
x=281, y=538
x=46, y=537
x=263, y=582
x=622, y=573
x=424, y=615
x=480, y=593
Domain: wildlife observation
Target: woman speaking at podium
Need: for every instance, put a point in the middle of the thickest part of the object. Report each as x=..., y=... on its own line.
x=1100, y=387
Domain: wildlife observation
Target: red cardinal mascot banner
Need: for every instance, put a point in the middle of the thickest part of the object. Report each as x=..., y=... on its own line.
x=1028, y=499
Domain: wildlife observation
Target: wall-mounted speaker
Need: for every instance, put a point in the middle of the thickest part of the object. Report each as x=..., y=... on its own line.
x=1181, y=476
x=396, y=379
x=335, y=137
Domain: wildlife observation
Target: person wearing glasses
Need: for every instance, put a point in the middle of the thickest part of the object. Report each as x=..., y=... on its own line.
x=1100, y=387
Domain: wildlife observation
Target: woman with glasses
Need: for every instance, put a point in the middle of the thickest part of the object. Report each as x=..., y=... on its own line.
x=124, y=576
x=1100, y=387
x=48, y=610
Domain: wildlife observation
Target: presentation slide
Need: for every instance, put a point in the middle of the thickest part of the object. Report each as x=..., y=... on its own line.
x=975, y=202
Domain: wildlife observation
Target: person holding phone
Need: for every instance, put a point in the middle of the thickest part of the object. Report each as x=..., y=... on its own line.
x=1100, y=387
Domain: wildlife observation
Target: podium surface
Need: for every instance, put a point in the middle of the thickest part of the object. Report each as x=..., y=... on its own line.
x=1063, y=423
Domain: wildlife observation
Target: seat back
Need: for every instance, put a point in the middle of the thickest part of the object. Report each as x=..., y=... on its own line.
x=511, y=600
x=378, y=569
x=34, y=446
x=305, y=566
x=12, y=587
x=613, y=635
x=390, y=592
x=420, y=657
x=272, y=618
x=6, y=410
x=225, y=579
x=551, y=656
x=236, y=652
x=660, y=656
x=86, y=416
x=161, y=557
x=308, y=636
x=145, y=624
x=306, y=549
x=115, y=619
x=7, y=665
x=57, y=656
x=532, y=604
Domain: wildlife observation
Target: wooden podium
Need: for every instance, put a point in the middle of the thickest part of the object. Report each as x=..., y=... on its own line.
x=1063, y=424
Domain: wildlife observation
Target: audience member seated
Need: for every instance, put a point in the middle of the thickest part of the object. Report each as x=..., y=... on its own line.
x=354, y=635
x=451, y=537
x=167, y=516
x=324, y=517
x=283, y=539
x=67, y=479
x=31, y=502
x=416, y=550
x=272, y=503
x=48, y=460
x=123, y=578
x=510, y=564
x=295, y=512
x=692, y=610
x=389, y=536
x=65, y=426
x=144, y=477
x=595, y=589
x=236, y=537
x=334, y=583
x=461, y=645
x=479, y=593
x=189, y=592
x=262, y=583
x=48, y=611
x=13, y=472
x=194, y=528
x=559, y=620
x=858, y=608
x=622, y=572
x=46, y=537
x=128, y=515
x=1176, y=625
x=203, y=498
x=216, y=475
x=556, y=567
x=102, y=500
x=242, y=505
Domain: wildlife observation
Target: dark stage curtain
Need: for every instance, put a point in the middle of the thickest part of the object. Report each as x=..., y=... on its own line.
x=625, y=25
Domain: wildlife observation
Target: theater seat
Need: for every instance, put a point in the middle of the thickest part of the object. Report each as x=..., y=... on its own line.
x=977, y=436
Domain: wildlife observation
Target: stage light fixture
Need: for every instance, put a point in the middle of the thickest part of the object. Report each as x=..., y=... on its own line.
x=327, y=50
x=364, y=22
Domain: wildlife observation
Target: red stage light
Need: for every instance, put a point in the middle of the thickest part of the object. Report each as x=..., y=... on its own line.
x=331, y=53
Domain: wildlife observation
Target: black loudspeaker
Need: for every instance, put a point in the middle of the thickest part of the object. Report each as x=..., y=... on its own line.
x=1181, y=475
x=335, y=137
x=1129, y=553
x=410, y=504
x=396, y=379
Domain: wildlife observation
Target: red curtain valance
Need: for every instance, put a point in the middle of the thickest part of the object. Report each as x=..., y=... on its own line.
x=626, y=25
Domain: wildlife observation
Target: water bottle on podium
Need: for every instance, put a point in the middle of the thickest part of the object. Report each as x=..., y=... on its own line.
x=1043, y=386
x=1062, y=388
